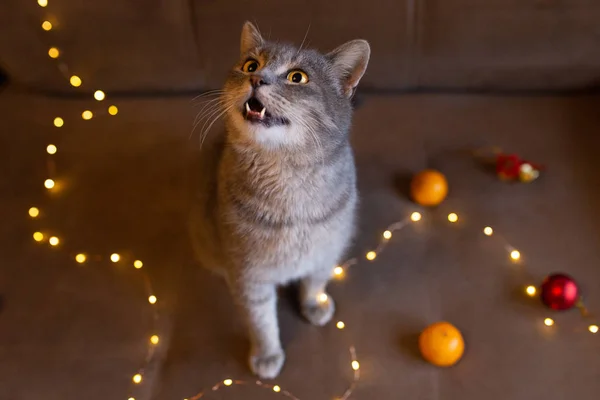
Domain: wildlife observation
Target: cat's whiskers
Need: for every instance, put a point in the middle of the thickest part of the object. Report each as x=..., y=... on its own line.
x=209, y=93
x=205, y=133
x=207, y=106
x=210, y=111
x=313, y=136
x=303, y=40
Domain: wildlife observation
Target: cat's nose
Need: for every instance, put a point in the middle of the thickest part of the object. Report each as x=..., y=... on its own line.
x=256, y=81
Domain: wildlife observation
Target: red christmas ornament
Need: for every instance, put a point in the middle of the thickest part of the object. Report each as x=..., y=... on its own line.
x=559, y=292
x=511, y=167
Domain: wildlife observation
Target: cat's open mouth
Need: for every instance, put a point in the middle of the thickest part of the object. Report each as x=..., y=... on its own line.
x=255, y=112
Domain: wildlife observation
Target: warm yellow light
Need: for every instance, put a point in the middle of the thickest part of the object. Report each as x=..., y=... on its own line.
x=548, y=322
x=371, y=255
x=355, y=365
x=34, y=212
x=152, y=299
x=338, y=271
x=154, y=339
x=276, y=389
x=46, y=25
x=53, y=241
x=137, y=378
x=227, y=382
x=415, y=216
x=515, y=255
x=53, y=52
x=488, y=231
x=80, y=258
x=322, y=298
x=530, y=290
x=387, y=235
x=114, y=257
x=113, y=110
x=87, y=115
x=75, y=81
x=131, y=398
x=58, y=122
x=38, y=236
x=452, y=217
x=138, y=264
x=49, y=183
x=99, y=95
x=340, y=325
x=51, y=149
x=43, y=3
x=593, y=328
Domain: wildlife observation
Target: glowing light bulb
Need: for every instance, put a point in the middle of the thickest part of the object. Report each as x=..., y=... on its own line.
x=276, y=389
x=113, y=110
x=355, y=365
x=137, y=378
x=138, y=264
x=340, y=325
x=548, y=322
x=154, y=339
x=387, y=235
x=488, y=231
x=452, y=217
x=99, y=95
x=38, y=236
x=43, y=3
x=53, y=52
x=371, y=255
x=131, y=398
x=227, y=382
x=87, y=115
x=515, y=255
x=322, y=298
x=152, y=299
x=46, y=25
x=530, y=290
x=75, y=81
x=49, y=183
x=593, y=328
x=415, y=216
x=114, y=257
x=53, y=241
x=58, y=122
x=80, y=258
x=338, y=272
x=34, y=212
x=51, y=149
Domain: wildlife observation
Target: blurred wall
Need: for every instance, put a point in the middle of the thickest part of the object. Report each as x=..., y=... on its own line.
x=172, y=45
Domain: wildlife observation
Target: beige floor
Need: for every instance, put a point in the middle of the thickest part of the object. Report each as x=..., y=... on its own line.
x=71, y=331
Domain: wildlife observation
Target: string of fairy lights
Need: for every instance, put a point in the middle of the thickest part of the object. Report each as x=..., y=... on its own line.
x=48, y=25
x=153, y=339
x=53, y=240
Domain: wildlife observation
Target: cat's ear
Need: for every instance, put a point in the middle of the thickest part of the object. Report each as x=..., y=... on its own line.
x=350, y=63
x=251, y=38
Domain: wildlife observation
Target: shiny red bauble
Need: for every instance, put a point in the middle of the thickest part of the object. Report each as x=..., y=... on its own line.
x=559, y=292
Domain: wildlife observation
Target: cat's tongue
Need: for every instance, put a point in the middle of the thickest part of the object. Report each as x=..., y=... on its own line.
x=255, y=109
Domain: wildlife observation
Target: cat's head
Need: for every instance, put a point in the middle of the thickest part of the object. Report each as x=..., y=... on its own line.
x=279, y=96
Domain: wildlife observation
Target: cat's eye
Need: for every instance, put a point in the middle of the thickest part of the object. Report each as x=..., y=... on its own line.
x=250, y=66
x=297, y=76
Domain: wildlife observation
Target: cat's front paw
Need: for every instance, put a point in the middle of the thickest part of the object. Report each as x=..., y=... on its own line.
x=319, y=313
x=267, y=366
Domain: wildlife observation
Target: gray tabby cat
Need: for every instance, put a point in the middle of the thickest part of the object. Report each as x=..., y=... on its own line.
x=281, y=207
